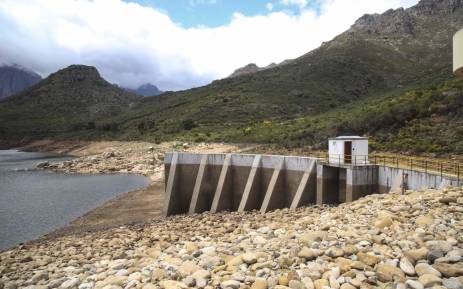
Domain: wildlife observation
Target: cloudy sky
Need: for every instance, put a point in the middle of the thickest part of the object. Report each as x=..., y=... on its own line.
x=174, y=44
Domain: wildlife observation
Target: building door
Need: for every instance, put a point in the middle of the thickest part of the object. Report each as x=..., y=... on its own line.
x=347, y=152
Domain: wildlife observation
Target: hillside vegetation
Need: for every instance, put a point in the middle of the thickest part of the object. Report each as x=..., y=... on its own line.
x=388, y=76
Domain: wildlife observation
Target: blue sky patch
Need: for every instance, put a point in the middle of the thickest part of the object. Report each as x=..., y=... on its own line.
x=213, y=13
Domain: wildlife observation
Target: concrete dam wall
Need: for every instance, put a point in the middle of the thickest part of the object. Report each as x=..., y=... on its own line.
x=197, y=183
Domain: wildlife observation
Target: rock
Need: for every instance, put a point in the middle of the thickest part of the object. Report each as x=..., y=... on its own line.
x=406, y=266
x=283, y=280
x=43, y=164
x=259, y=240
x=308, y=254
x=368, y=259
x=115, y=280
x=320, y=283
x=434, y=255
x=448, y=200
x=308, y=283
x=333, y=283
x=250, y=258
x=334, y=252
x=296, y=284
x=122, y=272
x=414, y=284
x=188, y=268
x=439, y=245
x=232, y=284
x=449, y=270
x=452, y=283
x=88, y=285
x=70, y=283
x=259, y=284
x=347, y=286
x=189, y=281
x=417, y=254
x=425, y=268
x=315, y=236
x=424, y=221
x=429, y=280
x=38, y=277
x=383, y=221
x=388, y=273
x=201, y=274
x=201, y=283
x=210, y=250
x=171, y=284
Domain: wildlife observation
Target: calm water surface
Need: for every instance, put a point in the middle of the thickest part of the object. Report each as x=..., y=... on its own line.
x=34, y=202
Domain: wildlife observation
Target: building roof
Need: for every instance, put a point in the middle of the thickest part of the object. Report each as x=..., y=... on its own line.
x=349, y=137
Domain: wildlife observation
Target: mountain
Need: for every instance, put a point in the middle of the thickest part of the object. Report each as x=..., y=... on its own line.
x=68, y=100
x=396, y=54
x=388, y=76
x=253, y=68
x=14, y=78
x=146, y=89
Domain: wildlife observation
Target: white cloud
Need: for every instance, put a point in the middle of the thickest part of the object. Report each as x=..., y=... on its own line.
x=202, y=2
x=131, y=44
x=300, y=3
x=269, y=6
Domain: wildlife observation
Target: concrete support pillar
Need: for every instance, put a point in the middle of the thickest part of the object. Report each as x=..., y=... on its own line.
x=169, y=201
x=249, y=198
x=270, y=195
x=327, y=184
x=197, y=188
x=308, y=174
x=221, y=201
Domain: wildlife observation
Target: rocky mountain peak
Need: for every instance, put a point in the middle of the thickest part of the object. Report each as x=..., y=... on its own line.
x=392, y=21
x=436, y=7
x=76, y=73
x=403, y=22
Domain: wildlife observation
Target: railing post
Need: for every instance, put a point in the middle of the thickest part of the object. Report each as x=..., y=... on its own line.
x=441, y=173
x=458, y=174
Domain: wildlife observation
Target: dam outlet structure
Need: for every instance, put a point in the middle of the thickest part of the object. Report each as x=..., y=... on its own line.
x=198, y=182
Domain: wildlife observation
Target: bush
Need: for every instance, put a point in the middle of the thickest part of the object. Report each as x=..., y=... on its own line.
x=188, y=124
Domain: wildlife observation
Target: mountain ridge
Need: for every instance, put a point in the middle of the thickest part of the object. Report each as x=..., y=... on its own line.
x=15, y=78
x=381, y=60
x=146, y=90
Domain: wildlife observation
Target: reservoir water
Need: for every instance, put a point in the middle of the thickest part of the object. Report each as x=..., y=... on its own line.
x=34, y=202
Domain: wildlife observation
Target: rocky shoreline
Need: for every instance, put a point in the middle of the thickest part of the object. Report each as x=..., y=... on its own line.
x=121, y=157
x=380, y=241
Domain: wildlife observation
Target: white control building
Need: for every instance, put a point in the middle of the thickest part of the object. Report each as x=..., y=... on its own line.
x=349, y=150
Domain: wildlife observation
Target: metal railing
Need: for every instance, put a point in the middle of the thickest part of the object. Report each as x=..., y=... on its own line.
x=452, y=168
